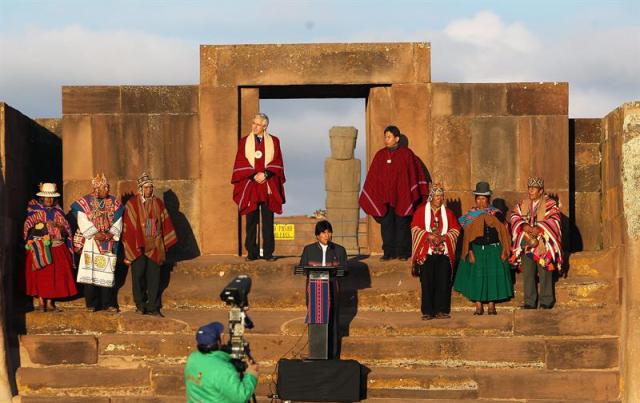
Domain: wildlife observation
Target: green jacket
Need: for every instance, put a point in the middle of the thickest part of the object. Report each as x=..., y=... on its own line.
x=212, y=378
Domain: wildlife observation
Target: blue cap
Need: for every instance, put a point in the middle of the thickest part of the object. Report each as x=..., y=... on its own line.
x=209, y=334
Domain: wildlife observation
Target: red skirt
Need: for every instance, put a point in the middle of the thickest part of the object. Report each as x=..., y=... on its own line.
x=54, y=280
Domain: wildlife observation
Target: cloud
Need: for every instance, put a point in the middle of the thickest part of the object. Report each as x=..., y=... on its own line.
x=35, y=64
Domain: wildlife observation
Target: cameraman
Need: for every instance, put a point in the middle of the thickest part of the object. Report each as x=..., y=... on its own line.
x=210, y=376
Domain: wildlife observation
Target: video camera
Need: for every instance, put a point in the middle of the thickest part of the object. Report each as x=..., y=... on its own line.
x=236, y=295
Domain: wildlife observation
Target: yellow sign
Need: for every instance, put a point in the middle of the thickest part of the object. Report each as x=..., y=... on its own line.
x=284, y=232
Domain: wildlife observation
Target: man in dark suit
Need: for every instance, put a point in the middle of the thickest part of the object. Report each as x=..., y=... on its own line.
x=328, y=254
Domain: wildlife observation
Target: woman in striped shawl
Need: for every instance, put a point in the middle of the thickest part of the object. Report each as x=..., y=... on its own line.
x=49, y=262
x=434, y=233
x=536, y=246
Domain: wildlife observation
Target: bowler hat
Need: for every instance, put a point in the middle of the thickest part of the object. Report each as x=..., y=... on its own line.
x=482, y=189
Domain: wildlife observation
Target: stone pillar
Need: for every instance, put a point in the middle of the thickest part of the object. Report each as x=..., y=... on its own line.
x=342, y=183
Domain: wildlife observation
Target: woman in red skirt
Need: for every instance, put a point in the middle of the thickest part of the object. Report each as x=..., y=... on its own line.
x=49, y=262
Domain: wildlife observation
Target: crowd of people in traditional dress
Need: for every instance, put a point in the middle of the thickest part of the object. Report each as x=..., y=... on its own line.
x=415, y=225
x=143, y=226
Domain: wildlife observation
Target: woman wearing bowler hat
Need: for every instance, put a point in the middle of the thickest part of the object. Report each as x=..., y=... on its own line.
x=483, y=273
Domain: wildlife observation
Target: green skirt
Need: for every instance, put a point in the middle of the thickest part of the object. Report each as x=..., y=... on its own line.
x=489, y=279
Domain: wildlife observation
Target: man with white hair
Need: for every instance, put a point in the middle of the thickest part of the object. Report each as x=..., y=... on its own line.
x=99, y=217
x=258, y=179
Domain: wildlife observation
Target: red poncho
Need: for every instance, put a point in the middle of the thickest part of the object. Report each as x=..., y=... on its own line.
x=147, y=229
x=446, y=226
x=253, y=157
x=395, y=178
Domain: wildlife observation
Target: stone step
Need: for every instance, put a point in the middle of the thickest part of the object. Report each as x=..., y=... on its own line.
x=133, y=350
x=396, y=383
x=595, y=264
x=558, y=322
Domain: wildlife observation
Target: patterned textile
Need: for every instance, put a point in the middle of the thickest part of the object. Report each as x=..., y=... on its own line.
x=40, y=249
x=319, y=301
x=102, y=213
x=99, y=180
x=546, y=250
x=147, y=229
x=475, y=212
x=426, y=222
x=535, y=182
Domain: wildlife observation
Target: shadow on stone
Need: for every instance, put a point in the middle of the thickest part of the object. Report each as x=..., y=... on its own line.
x=357, y=278
x=187, y=246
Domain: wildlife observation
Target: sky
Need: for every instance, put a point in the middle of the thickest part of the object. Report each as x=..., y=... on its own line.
x=593, y=45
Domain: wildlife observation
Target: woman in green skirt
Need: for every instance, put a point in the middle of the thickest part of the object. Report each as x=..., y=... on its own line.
x=484, y=273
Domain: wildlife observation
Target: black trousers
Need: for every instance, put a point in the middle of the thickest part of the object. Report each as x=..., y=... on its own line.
x=99, y=297
x=435, y=281
x=547, y=292
x=396, y=234
x=145, y=281
x=268, y=241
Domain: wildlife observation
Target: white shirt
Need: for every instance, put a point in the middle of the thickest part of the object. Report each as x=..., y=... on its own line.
x=324, y=253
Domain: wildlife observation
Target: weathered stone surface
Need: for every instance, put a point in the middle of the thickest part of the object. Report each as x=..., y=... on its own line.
x=146, y=345
x=56, y=350
x=54, y=125
x=536, y=384
x=342, y=175
x=538, y=99
x=160, y=99
x=587, y=354
x=469, y=99
x=174, y=146
x=66, y=399
x=452, y=140
x=587, y=130
x=135, y=155
x=578, y=322
x=588, y=219
x=43, y=322
x=344, y=221
x=550, y=133
x=291, y=64
x=469, y=351
x=106, y=137
x=218, y=113
x=32, y=380
x=168, y=381
x=494, y=152
x=343, y=142
x=91, y=99
x=411, y=104
x=342, y=199
x=75, y=189
x=77, y=136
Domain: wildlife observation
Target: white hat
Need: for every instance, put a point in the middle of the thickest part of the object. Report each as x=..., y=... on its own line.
x=48, y=190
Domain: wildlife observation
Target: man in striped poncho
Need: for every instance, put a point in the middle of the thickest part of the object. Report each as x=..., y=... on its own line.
x=536, y=246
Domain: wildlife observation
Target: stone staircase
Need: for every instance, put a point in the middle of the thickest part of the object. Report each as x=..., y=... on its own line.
x=570, y=353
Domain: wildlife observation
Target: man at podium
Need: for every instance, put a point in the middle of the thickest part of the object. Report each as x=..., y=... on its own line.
x=322, y=294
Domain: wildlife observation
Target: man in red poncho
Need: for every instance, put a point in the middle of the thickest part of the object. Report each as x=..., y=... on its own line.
x=258, y=179
x=435, y=231
x=395, y=184
x=148, y=233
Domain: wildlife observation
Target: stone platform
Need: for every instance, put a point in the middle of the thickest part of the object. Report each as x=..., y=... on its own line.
x=569, y=353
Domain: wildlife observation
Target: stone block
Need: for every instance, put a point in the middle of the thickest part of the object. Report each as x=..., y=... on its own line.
x=218, y=115
x=182, y=199
x=65, y=399
x=344, y=221
x=75, y=189
x=583, y=354
x=106, y=140
x=411, y=104
x=550, y=133
x=342, y=199
x=587, y=154
x=587, y=130
x=174, y=146
x=451, y=144
x=249, y=107
x=146, y=345
x=77, y=161
x=494, y=152
x=291, y=64
x=587, y=178
x=45, y=323
x=343, y=142
x=57, y=350
x=134, y=155
x=342, y=175
x=32, y=380
x=538, y=98
x=588, y=219
x=93, y=99
x=54, y=125
x=469, y=99
x=167, y=382
x=530, y=384
x=160, y=99
x=567, y=322
x=379, y=115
